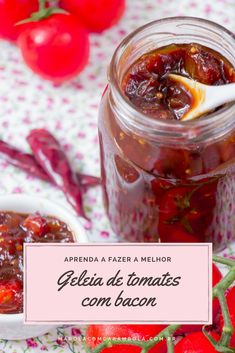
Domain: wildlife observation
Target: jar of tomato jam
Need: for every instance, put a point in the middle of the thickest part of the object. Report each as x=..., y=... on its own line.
x=166, y=179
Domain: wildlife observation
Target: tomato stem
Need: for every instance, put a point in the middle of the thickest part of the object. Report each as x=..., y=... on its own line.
x=170, y=345
x=228, y=327
x=217, y=345
x=42, y=5
x=219, y=292
x=43, y=13
x=168, y=333
x=144, y=350
x=224, y=261
x=184, y=203
x=225, y=283
x=113, y=342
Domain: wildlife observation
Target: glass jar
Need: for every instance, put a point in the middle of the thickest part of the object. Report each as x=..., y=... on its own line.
x=195, y=200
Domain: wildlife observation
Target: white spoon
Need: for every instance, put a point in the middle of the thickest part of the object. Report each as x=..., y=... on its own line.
x=206, y=98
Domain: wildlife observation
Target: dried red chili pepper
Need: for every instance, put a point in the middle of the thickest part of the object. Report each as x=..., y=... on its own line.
x=27, y=163
x=24, y=161
x=50, y=156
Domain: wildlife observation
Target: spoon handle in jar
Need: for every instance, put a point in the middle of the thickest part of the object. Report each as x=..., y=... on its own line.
x=219, y=95
x=206, y=98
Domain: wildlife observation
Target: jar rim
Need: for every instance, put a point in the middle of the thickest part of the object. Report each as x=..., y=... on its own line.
x=175, y=128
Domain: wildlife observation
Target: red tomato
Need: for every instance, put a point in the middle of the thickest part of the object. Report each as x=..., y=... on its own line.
x=56, y=48
x=96, y=15
x=171, y=201
x=203, y=202
x=159, y=187
x=177, y=234
x=173, y=215
x=10, y=296
x=231, y=305
x=185, y=212
x=95, y=334
x=172, y=163
x=196, y=343
x=36, y=224
x=6, y=294
x=13, y=11
x=216, y=278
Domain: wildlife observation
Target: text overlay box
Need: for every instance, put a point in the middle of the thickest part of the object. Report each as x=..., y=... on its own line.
x=118, y=283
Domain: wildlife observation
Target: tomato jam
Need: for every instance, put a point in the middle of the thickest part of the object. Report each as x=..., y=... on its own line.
x=165, y=179
x=149, y=88
x=16, y=229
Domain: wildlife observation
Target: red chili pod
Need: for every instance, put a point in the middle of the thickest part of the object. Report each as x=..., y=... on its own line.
x=28, y=163
x=24, y=161
x=50, y=156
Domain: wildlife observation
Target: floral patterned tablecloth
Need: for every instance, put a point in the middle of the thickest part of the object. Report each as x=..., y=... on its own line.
x=70, y=112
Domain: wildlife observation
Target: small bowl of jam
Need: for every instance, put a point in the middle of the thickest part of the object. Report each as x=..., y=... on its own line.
x=165, y=179
x=27, y=219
